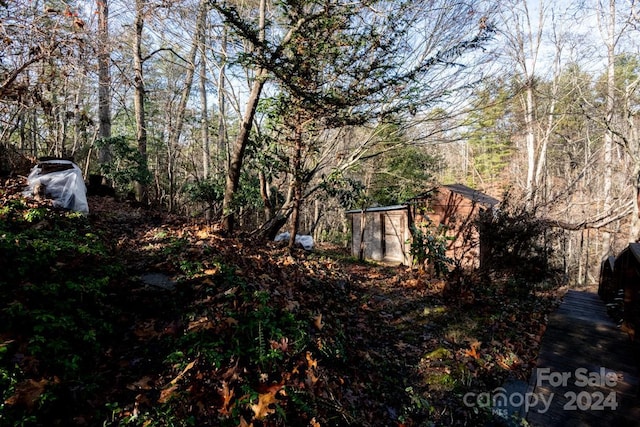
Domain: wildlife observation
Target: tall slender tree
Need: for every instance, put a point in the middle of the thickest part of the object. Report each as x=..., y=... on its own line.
x=139, y=100
x=240, y=145
x=104, y=80
x=610, y=42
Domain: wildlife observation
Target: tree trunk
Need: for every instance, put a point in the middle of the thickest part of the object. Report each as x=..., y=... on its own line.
x=608, y=137
x=529, y=117
x=363, y=224
x=550, y=126
x=237, y=156
x=176, y=130
x=104, y=82
x=223, y=152
x=296, y=167
x=240, y=145
x=265, y=194
x=269, y=230
x=204, y=117
x=139, y=101
x=314, y=232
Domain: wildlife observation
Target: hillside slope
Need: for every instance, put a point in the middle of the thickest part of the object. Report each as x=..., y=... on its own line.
x=133, y=317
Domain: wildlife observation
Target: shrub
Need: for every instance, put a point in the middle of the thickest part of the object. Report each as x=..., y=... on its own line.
x=429, y=248
x=516, y=242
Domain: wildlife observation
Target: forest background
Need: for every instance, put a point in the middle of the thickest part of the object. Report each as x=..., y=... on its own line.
x=257, y=114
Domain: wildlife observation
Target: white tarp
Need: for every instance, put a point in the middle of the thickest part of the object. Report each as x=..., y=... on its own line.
x=65, y=187
x=303, y=240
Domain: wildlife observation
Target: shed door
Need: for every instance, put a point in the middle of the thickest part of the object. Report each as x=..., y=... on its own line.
x=393, y=232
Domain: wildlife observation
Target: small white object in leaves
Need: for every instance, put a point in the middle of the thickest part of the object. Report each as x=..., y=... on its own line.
x=303, y=240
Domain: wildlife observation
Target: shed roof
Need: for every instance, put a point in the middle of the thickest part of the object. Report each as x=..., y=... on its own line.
x=609, y=261
x=466, y=192
x=635, y=250
x=378, y=209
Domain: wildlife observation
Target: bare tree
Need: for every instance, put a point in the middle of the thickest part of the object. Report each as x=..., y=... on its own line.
x=610, y=43
x=139, y=99
x=104, y=79
x=178, y=116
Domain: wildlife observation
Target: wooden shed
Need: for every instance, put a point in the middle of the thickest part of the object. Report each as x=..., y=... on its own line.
x=381, y=233
x=384, y=233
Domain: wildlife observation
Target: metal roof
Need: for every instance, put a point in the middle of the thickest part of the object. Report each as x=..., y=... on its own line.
x=635, y=250
x=378, y=209
x=466, y=192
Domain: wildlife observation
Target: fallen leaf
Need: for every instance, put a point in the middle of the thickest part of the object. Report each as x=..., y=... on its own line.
x=261, y=409
x=283, y=345
x=473, y=352
x=27, y=393
x=184, y=371
x=502, y=364
x=167, y=393
x=231, y=373
x=201, y=324
x=311, y=363
x=227, y=394
x=317, y=321
x=202, y=233
x=311, y=379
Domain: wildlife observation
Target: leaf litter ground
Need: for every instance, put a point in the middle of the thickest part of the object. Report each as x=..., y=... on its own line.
x=249, y=333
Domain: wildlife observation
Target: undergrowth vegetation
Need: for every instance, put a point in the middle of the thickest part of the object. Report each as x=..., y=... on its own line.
x=54, y=320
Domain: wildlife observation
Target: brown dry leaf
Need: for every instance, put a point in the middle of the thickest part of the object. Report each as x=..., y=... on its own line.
x=473, y=352
x=244, y=423
x=317, y=321
x=231, y=373
x=311, y=379
x=230, y=321
x=282, y=345
x=311, y=363
x=288, y=261
x=203, y=233
x=261, y=409
x=227, y=394
x=181, y=374
x=501, y=362
x=271, y=388
x=201, y=324
x=314, y=423
x=166, y=393
x=27, y=393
